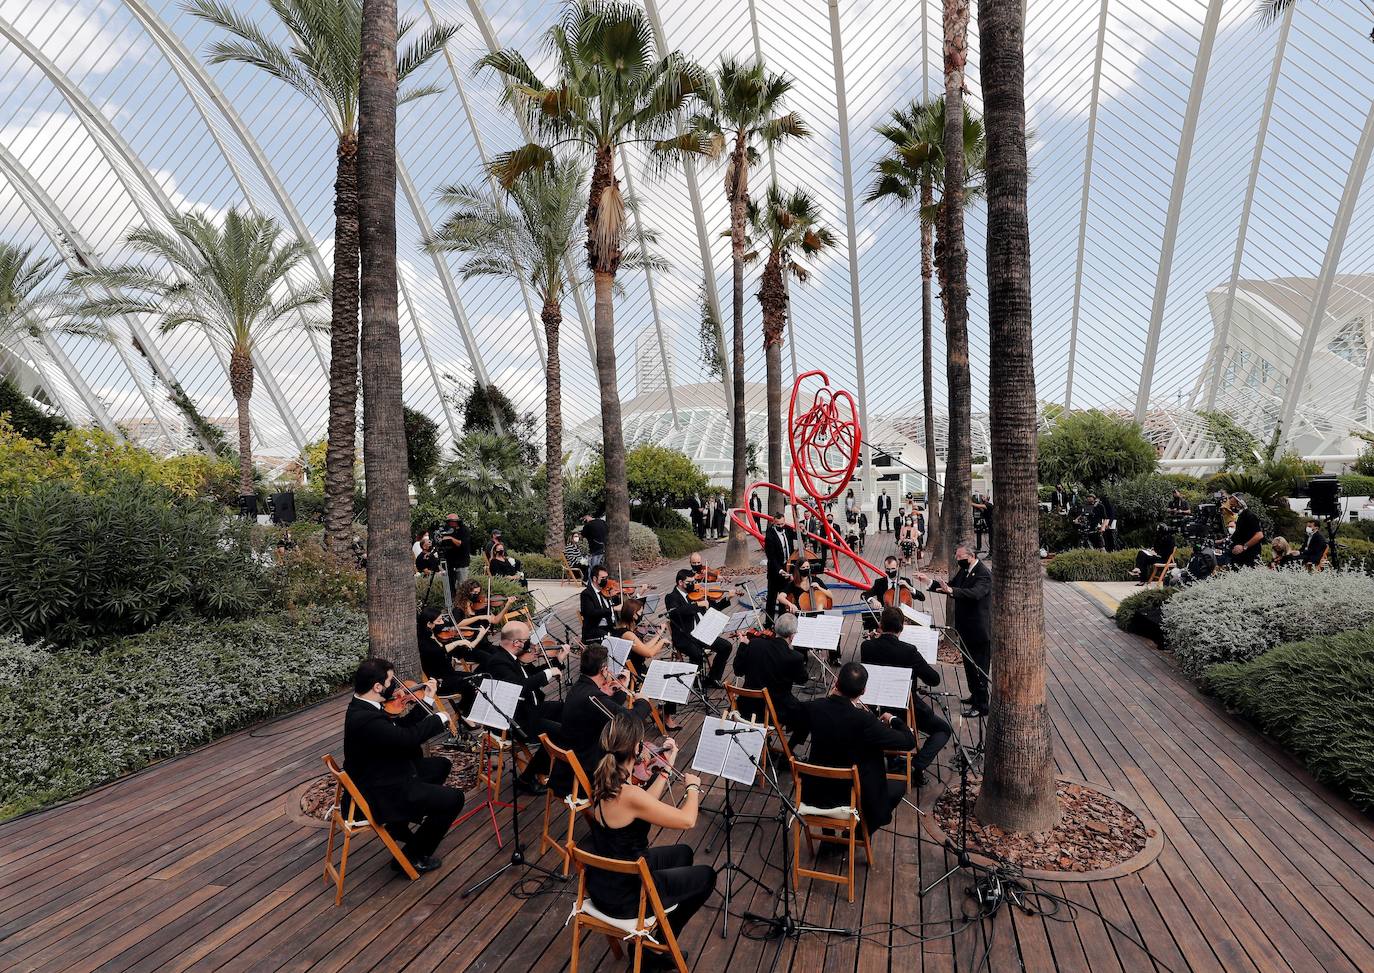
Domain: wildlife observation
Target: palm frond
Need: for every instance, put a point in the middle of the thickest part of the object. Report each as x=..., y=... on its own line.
x=510, y=166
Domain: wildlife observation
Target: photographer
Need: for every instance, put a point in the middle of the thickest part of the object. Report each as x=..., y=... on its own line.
x=1247, y=537
x=1201, y=566
x=454, y=544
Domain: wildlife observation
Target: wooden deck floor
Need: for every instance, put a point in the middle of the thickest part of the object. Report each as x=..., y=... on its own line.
x=193, y=864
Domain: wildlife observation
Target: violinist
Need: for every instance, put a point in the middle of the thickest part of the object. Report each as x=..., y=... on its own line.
x=383, y=757
x=683, y=616
x=514, y=662
x=770, y=662
x=591, y=701
x=627, y=622
x=503, y=565
x=889, y=588
x=705, y=576
x=888, y=649
x=435, y=659
x=598, y=609
x=475, y=622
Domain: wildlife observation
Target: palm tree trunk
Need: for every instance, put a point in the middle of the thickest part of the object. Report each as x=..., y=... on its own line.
x=927, y=380
x=958, y=512
x=1018, y=792
x=737, y=549
x=603, y=267
x=390, y=570
x=553, y=430
x=773, y=300
x=343, y=352
x=241, y=386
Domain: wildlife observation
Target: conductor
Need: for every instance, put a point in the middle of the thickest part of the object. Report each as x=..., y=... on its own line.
x=971, y=591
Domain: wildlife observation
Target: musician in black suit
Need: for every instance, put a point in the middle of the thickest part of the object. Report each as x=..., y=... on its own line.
x=1313, y=546
x=874, y=593
x=598, y=609
x=770, y=662
x=845, y=733
x=383, y=757
x=533, y=713
x=594, y=533
x=683, y=615
x=884, y=510
x=888, y=649
x=971, y=591
x=595, y=694
x=779, y=542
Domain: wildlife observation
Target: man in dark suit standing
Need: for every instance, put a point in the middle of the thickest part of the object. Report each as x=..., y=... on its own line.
x=772, y=664
x=383, y=756
x=454, y=547
x=683, y=615
x=888, y=649
x=534, y=714
x=971, y=590
x=594, y=532
x=1313, y=546
x=884, y=510
x=598, y=610
x=778, y=544
x=845, y=733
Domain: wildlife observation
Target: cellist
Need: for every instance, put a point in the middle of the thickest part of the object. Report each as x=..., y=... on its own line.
x=889, y=588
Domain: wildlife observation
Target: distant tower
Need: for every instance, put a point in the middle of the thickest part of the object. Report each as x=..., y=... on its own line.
x=649, y=375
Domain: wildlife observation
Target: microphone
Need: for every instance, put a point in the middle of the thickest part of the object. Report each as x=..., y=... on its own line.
x=680, y=675
x=722, y=732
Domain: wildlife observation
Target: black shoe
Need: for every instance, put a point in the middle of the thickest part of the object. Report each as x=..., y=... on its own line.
x=967, y=701
x=530, y=786
x=974, y=713
x=919, y=778
x=428, y=863
x=711, y=682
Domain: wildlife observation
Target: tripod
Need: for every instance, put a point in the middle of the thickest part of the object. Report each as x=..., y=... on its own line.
x=959, y=847
x=517, y=851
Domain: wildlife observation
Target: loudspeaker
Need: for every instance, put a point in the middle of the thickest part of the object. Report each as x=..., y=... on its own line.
x=248, y=505
x=1325, y=492
x=284, y=507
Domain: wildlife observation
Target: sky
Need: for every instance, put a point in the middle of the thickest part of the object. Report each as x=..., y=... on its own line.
x=889, y=53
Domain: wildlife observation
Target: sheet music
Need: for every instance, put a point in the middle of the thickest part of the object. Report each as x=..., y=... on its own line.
x=926, y=640
x=819, y=632
x=728, y=756
x=740, y=621
x=919, y=618
x=617, y=651
x=651, y=604
x=495, y=712
x=539, y=634
x=710, y=626
x=887, y=686
x=658, y=686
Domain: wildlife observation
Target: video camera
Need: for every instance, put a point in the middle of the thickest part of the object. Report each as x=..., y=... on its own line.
x=1204, y=524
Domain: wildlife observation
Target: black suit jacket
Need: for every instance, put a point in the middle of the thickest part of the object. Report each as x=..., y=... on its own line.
x=844, y=735
x=455, y=548
x=884, y=503
x=771, y=664
x=504, y=666
x=973, y=602
x=1313, y=547
x=889, y=650
x=597, y=614
x=683, y=616
x=580, y=729
x=778, y=545
x=879, y=588
x=380, y=754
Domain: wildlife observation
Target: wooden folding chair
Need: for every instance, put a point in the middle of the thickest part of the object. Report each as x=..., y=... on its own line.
x=576, y=801
x=845, y=820
x=649, y=929
x=636, y=680
x=1321, y=561
x=571, y=574
x=1159, y=572
x=906, y=756
x=348, y=825
x=777, y=735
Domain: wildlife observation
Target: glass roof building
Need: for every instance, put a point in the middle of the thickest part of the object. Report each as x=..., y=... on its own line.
x=1202, y=232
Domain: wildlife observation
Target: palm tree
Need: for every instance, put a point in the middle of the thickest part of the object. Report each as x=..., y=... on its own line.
x=487, y=473
x=322, y=64
x=609, y=90
x=1018, y=791
x=390, y=568
x=779, y=230
x=30, y=310
x=741, y=114
x=911, y=173
x=224, y=281
x=1270, y=11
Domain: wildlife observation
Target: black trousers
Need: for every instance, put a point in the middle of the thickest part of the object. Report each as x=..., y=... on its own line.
x=433, y=805
x=937, y=733
x=776, y=585
x=679, y=882
x=545, y=718
x=884, y=520
x=977, y=662
x=695, y=651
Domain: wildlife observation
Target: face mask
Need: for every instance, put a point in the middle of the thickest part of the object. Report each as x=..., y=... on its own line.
x=965, y=562
x=892, y=572
x=388, y=690
x=690, y=586
x=1311, y=531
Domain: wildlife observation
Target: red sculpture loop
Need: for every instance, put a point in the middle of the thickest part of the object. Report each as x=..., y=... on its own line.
x=824, y=444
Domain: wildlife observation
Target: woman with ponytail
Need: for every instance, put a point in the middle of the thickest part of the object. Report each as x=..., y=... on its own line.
x=621, y=815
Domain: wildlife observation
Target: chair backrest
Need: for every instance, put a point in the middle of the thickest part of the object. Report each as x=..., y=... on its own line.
x=556, y=753
x=735, y=693
x=648, y=892
x=801, y=770
x=359, y=802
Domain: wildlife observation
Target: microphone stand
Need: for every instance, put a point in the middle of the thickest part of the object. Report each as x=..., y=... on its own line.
x=517, y=852
x=958, y=641
x=959, y=846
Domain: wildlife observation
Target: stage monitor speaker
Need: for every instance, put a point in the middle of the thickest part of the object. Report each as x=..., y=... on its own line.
x=248, y=505
x=284, y=507
x=1325, y=492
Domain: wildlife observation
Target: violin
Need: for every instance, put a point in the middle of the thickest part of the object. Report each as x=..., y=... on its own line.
x=409, y=694
x=651, y=759
x=614, y=589
x=707, y=575
x=755, y=633
x=708, y=593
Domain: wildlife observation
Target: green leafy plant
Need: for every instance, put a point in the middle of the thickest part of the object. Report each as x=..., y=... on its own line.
x=673, y=543
x=27, y=417
x=1357, y=485
x=1093, y=448
x=307, y=576
x=643, y=544
x=1130, y=609
x=1239, y=447
x=1086, y=564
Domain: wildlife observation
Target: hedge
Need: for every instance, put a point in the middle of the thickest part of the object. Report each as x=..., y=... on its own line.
x=72, y=719
x=1086, y=564
x=1355, y=485
x=1130, y=610
x=1239, y=615
x=1315, y=699
x=674, y=544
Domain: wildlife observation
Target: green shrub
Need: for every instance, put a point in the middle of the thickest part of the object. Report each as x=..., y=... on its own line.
x=1364, y=463
x=27, y=417
x=505, y=587
x=81, y=567
x=73, y=719
x=1085, y=564
x=1057, y=532
x=1315, y=699
x=1093, y=447
x=674, y=543
x=1357, y=485
x=1130, y=609
x=1185, y=482
x=662, y=518
x=1141, y=501
x=643, y=544
x=539, y=566
x=307, y=576
x=1239, y=615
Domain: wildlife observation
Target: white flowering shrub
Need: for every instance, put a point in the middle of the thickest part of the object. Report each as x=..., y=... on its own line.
x=72, y=719
x=643, y=543
x=1237, y=616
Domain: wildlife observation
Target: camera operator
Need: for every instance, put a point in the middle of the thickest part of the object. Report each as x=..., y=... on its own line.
x=455, y=549
x=1247, y=537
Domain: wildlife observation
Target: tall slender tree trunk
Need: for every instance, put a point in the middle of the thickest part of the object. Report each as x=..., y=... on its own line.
x=1018, y=791
x=390, y=569
x=552, y=316
x=241, y=386
x=737, y=549
x=343, y=352
x=957, y=524
x=936, y=535
x=604, y=266
x=773, y=300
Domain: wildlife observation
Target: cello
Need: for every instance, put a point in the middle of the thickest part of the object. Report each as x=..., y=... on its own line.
x=812, y=596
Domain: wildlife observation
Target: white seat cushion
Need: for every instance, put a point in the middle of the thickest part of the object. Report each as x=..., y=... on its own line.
x=627, y=925
x=839, y=813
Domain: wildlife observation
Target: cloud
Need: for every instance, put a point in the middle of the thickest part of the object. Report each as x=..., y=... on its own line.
x=80, y=42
